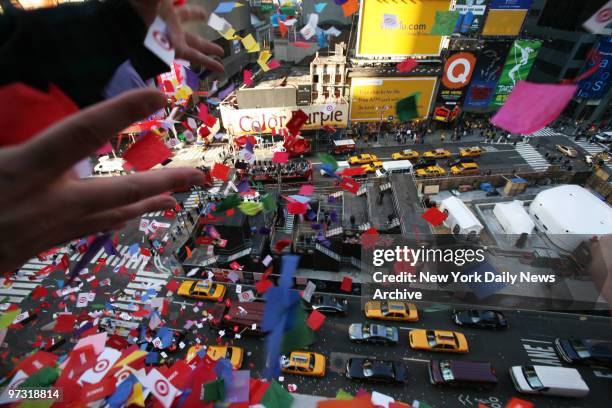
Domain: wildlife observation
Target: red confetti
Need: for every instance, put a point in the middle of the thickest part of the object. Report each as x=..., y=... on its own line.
x=220, y=171
x=407, y=65
x=352, y=171
x=247, y=77
x=347, y=284
x=519, y=403
x=297, y=208
x=298, y=119
x=349, y=185
x=434, y=216
x=39, y=292
x=282, y=244
x=147, y=152
x=315, y=320
x=369, y=238
x=65, y=323
x=263, y=286
x=173, y=286
x=280, y=157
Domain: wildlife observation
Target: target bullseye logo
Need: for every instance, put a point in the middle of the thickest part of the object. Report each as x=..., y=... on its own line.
x=162, y=40
x=161, y=387
x=123, y=375
x=101, y=366
x=329, y=108
x=604, y=15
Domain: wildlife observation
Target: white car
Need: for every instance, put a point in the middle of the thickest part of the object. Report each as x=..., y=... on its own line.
x=108, y=165
x=546, y=380
x=566, y=150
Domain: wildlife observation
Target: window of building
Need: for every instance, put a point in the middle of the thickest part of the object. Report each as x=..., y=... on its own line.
x=338, y=78
x=315, y=79
x=326, y=78
x=548, y=68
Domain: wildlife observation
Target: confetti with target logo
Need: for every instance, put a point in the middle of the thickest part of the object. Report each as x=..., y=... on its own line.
x=157, y=41
x=104, y=363
x=159, y=385
x=604, y=16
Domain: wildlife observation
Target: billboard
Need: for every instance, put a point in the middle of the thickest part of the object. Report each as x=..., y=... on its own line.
x=471, y=15
x=458, y=71
x=520, y=59
x=240, y=122
x=373, y=99
x=398, y=29
x=506, y=17
x=484, y=79
x=596, y=86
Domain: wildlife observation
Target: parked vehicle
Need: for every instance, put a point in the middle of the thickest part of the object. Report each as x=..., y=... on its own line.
x=465, y=168
x=437, y=154
x=470, y=152
x=432, y=171
x=407, y=154
x=343, y=146
x=391, y=310
x=363, y=159
x=367, y=369
x=392, y=167
x=547, y=380
x=587, y=351
x=461, y=373
x=482, y=319
x=304, y=363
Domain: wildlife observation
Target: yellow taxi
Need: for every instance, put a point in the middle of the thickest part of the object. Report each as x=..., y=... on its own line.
x=363, y=159
x=465, y=168
x=438, y=340
x=470, y=152
x=430, y=171
x=304, y=363
x=437, y=154
x=202, y=289
x=391, y=310
x=407, y=154
x=234, y=354
x=372, y=167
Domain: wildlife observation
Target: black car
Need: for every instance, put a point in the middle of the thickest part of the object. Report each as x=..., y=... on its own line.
x=458, y=160
x=366, y=369
x=329, y=304
x=587, y=351
x=480, y=319
x=373, y=333
x=422, y=163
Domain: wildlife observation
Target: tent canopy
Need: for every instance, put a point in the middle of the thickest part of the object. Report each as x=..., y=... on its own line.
x=460, y=219
x=513, y=218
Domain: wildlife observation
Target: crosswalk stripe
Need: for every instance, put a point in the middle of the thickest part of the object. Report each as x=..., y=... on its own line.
x=532, y=156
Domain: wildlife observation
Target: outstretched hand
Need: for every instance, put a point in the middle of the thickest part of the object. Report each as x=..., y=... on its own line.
x=188, y=46
x=43, y=202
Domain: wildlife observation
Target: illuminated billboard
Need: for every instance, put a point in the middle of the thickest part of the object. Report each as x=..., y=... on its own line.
x=373, y=99
x=398, y=29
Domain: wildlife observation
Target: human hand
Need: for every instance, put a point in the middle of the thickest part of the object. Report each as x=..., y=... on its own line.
x=188, y=46
x=43, y=202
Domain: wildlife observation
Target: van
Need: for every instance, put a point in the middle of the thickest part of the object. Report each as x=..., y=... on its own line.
x=546, y=380
x=395, y=167
x=460, y=373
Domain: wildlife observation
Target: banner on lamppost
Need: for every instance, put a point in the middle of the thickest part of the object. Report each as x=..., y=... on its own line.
x=520, y=59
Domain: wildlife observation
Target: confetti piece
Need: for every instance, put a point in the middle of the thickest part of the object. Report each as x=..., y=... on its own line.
x=147, y=152
x=434, y=216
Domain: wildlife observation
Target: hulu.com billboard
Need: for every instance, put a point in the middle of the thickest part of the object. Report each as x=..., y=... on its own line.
x=398, y=29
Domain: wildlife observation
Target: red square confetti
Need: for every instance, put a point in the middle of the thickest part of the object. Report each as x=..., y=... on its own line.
x=434, y=216
x=280, y=157
x=298, y=119
x=347, y=284
x=220, y=171
x=173, y=286
x=65, y=323
x=519, y=403
x=315, y=320
x=263, y=286
x=147, y=152
x=349, y=185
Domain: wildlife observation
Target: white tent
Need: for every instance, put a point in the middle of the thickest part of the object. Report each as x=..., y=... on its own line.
x=513, y=218
x=570, y=214
x=460, y=219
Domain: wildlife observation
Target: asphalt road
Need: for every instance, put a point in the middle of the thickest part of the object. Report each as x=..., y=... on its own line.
x=528, y=341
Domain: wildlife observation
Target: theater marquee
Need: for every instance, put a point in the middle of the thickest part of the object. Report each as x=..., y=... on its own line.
x=240, y=122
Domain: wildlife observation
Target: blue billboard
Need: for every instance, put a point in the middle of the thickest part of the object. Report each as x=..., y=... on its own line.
x=509, y=4
x=596, y=86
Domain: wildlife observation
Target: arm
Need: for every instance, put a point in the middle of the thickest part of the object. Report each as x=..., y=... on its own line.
x=75, y=46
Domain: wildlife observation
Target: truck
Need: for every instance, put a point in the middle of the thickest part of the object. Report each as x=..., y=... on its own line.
x=396, y=166
x=343, y=146
x=247, y=317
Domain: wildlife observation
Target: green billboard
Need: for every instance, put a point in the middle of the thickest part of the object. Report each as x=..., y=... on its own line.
x=518, y=64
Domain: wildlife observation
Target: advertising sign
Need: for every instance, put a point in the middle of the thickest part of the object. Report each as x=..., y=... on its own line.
x=485, y=76
x=457, y=74
x=520, y=59
x=240, y=122
x=596, y=86
x=374, y=99
x=506, y=17
x=398, y=29
x=471, y=15
x=509, y=4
